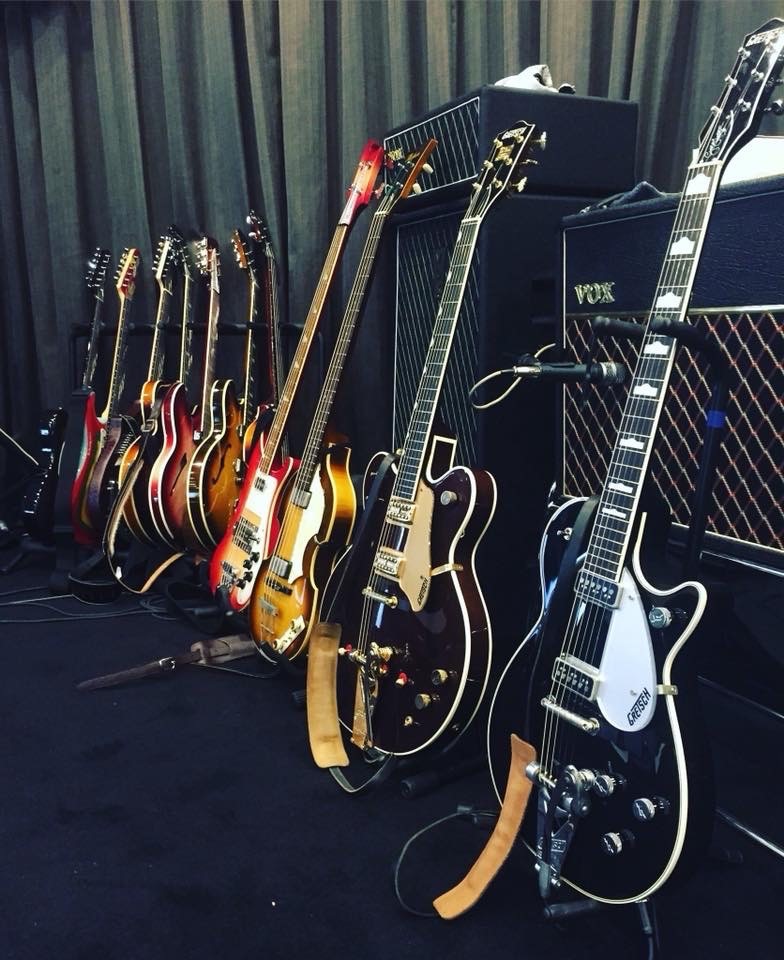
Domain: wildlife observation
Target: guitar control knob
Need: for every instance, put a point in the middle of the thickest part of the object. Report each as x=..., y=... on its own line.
x=612, y=844
x=604, y=785
x=247, y=563
x=422, y=701
x=439, y=677
x=402, y=679
x=408, y=721
x=659, y=617
x=644, y=809
x=447, y=497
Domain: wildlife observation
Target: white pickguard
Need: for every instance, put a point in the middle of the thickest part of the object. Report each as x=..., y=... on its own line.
x=258, y=510
x=309, y=525
x=627, y=674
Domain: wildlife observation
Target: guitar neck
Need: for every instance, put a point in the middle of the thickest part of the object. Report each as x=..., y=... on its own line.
x=619, y=502
x=155, y=367
x=249, y=401
x=209, y=356
x=276, y=368
x=117, y=378
x=315, y=439
x=186, y=334
x=91, y=360
x=273, y=440
x=431, y=382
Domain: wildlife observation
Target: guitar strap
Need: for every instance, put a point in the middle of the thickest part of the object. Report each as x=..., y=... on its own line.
x=518, y=787
x=518, y=791
x=326, y=742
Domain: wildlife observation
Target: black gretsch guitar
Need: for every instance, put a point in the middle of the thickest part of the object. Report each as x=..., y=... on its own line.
x=602, y=686
x=415, y=630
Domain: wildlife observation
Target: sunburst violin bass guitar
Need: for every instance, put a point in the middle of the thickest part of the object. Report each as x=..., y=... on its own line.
x=603, y=687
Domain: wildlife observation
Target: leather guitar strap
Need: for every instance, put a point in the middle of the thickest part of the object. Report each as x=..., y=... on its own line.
x=326, y=741
x=518, y=787
x=204, y=653
x=143, y=566
x=518, y=791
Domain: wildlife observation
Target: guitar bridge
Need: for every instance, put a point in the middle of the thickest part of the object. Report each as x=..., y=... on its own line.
x=380, y=597
x=589, y=725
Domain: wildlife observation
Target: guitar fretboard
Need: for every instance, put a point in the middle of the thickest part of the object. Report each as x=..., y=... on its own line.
x=118, y=364
x=617, y=508
x=276, y=368
x=313, y=445
x=155, y=368
x=432, y=379
x=209, y=351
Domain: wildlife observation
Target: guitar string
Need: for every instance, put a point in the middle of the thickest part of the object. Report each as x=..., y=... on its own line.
x=707, y=203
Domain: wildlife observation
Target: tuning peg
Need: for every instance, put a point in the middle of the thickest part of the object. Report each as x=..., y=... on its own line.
x=416, y=188
x=520, y=185
x=426, y=168
x=542, y=141
x=776, y=107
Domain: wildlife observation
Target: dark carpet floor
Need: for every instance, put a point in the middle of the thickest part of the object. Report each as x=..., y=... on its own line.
x=183, y=818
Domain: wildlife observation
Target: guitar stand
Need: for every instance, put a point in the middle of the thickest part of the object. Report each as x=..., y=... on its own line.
x=646, y=911
x=29, y=551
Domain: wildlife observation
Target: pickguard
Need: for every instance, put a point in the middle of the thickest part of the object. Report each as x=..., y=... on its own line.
x=258, y=511
x=627, y=673
x=309, y=524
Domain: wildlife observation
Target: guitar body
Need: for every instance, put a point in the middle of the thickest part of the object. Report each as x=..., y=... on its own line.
x=38, y=501
x=215, y=472
x=92, y=440
x=136, y=512
x=253, y=531
x=435, y=663
x=657, y=814
x=167, y=493
x=104, y=480
x=284, y=602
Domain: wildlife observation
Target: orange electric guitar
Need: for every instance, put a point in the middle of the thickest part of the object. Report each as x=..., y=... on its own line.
x=254, y=527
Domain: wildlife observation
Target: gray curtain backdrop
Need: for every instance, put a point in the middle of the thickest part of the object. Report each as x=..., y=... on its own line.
x=119, y=117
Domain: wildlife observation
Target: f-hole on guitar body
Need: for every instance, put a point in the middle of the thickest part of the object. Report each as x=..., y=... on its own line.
x=614, y=717
x=414, y=664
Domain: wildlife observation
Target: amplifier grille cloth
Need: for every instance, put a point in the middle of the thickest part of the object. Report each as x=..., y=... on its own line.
x=457, y=132
x=749, y=500
x=424, y=249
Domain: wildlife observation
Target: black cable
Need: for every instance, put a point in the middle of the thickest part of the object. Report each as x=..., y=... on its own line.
x=465, y=812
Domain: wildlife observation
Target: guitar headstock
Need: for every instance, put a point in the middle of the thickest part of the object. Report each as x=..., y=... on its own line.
x=208, y=261
x=166, y=257
x=125, y=278
x=502, y=171
x=257, y=229
x=736, y=116
x=364, y=182
x=243, y=254
x=404, y=173
x=97, y=265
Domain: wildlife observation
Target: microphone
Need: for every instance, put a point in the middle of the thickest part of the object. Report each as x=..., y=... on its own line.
x=605, y=373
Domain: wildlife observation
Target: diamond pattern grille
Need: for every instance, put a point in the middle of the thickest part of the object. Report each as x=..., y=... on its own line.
x=749, y=492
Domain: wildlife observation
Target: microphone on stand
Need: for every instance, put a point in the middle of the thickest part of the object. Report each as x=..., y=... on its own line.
x=604, y=373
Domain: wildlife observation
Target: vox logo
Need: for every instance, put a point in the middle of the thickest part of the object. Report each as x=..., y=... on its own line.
x=595, y=292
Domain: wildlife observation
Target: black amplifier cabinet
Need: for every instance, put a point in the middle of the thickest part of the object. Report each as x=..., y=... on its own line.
x=611, y=264
x=590, y=150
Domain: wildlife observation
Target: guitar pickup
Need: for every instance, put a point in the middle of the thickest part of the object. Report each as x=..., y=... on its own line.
x=280, y=567
x=590, y=586
x=388, y=562
x=576, y=676
x=301, y=498
x=400, y=511
x=278, y=586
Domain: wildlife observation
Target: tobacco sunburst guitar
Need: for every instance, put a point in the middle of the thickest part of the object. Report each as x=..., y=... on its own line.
x=602, y=686
x=254, y=527
x=136, y=513
x=214, y=473
x=416, y=634
x=319, y=507
x=48, y=498
x=119, y=430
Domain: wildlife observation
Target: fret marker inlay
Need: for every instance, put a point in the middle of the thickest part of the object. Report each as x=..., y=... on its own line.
x=698, y=185
x=631, y=443
x=668, y=301
x=682, y=247
x=645, y=390
x=612, y=512
x=657, y=348
x=620, y=487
